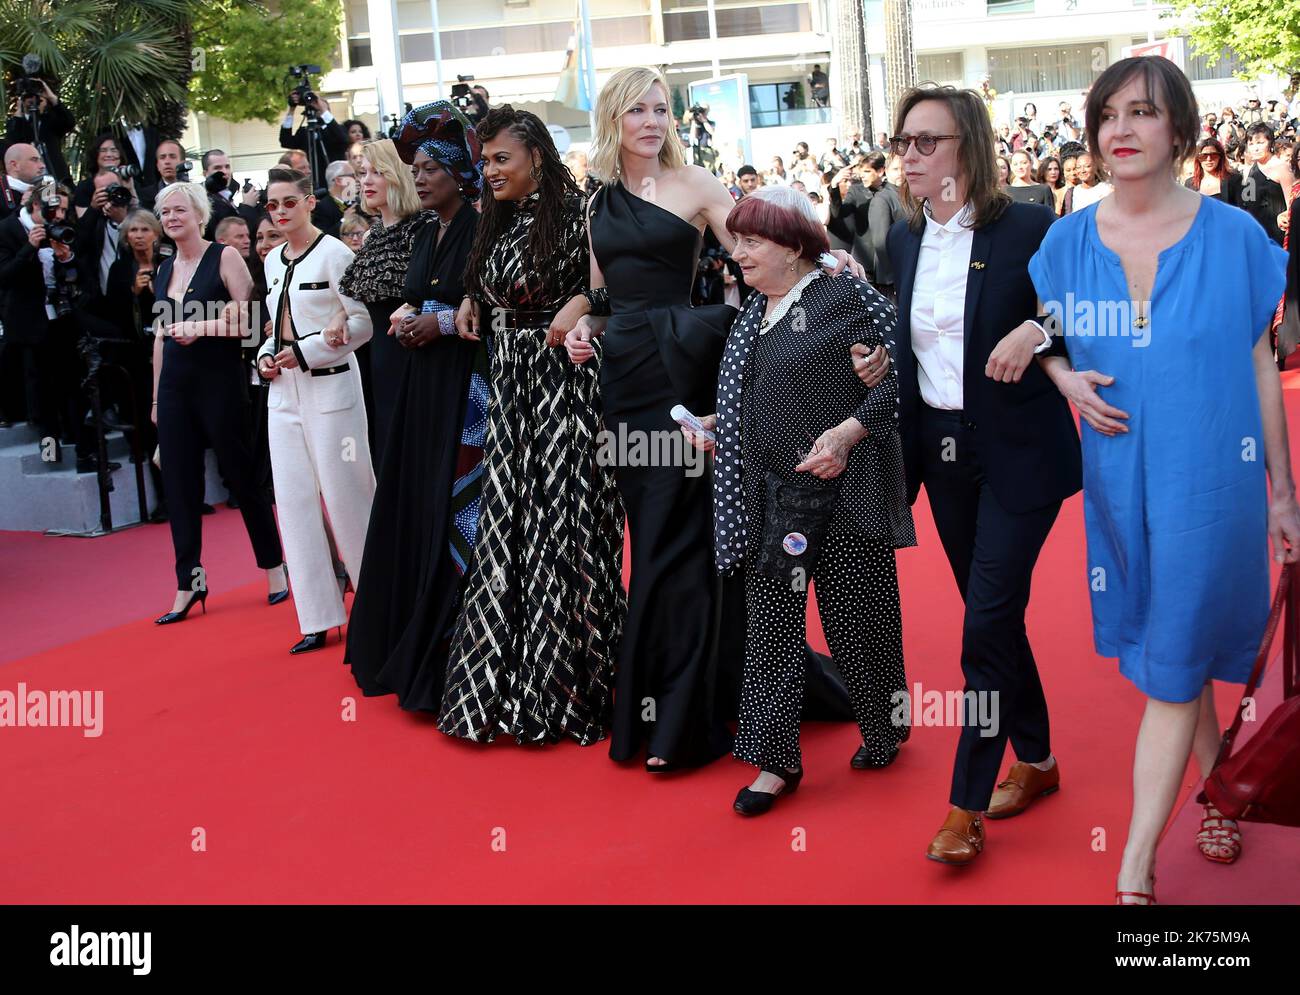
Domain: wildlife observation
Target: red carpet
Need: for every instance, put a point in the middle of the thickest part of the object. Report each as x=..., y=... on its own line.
x=211, y=725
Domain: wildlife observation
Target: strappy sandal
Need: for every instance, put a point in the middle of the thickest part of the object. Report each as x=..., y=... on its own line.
x=1149, y=897
x=1219, y=833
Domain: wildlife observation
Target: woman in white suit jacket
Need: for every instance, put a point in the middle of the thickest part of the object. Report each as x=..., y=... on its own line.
x=316, y=419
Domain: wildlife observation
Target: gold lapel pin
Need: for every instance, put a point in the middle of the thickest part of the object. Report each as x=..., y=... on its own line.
x=977, y=265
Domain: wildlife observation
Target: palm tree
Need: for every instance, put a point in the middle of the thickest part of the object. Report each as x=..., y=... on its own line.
x=850, y=81
x=900, y=57
x=112, y=59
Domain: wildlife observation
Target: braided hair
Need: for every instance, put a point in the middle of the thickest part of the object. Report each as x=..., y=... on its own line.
x=556, y=186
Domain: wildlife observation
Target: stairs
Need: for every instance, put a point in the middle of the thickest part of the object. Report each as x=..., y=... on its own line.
x=40, y=495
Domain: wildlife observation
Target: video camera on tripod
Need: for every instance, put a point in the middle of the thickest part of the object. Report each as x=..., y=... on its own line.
x=302, y=95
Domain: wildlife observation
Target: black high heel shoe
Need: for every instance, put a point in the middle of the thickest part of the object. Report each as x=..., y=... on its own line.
x=313, y=641
x=757, y=802
x=200, y=596
x=279, y=596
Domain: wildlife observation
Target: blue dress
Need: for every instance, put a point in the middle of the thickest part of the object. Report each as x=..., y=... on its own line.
x=1176, y=509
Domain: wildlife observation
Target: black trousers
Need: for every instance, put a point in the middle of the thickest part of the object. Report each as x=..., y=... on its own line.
x=992, y=552
x=197, y=413
x=857, y=599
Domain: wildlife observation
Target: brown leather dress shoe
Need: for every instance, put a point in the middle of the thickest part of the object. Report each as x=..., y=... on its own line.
x=1024, y=783
x=960, y=840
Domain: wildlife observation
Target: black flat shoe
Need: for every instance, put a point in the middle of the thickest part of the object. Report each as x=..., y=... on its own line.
x=280, y=596
x=862, y=760
x=200, y=596
x=757, y=802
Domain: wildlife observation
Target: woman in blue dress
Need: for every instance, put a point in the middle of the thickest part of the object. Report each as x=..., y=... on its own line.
x=1188, y=417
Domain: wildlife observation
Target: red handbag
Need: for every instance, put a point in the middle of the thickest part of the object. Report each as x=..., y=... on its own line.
x=1261, y=783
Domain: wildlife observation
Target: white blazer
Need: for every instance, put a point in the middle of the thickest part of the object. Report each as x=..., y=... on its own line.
x=313, y=299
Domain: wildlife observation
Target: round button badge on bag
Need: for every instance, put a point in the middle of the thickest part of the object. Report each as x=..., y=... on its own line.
x=795, y=543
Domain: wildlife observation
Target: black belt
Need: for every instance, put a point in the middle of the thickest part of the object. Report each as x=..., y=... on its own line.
x=512, y=318
x=330, y=371
x=948, y=414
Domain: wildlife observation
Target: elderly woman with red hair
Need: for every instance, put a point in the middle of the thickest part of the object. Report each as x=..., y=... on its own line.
x=808, y=487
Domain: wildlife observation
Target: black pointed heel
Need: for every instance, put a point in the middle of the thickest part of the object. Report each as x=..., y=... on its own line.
x=279, y=596
x=757, y=802
x=309, y=642
x=198, y=596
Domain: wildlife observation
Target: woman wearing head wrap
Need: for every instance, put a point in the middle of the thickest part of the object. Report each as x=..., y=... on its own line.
x=426, y=503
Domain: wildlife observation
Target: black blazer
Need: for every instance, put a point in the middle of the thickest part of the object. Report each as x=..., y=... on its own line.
x=22, y=285
x=1024, y=433
x=334, y=139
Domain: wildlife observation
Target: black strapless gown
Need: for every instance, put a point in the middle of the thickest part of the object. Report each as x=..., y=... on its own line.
x=677, y=677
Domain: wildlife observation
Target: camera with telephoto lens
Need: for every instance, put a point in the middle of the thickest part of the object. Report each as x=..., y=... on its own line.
x=47, y=191
x=118, y=195
x=127, y=171
x=183, y=170
x=216, y=182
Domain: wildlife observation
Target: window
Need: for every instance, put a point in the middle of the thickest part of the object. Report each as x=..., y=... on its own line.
x=789, y=103
x=692, y=24
x=1010, y=6
x=1198, y=67
x=1033, y=70
x=941, y=67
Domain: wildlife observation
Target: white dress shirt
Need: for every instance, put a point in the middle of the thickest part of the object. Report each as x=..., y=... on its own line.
x=1085, y=196
x=939, y=308
x=136, y=137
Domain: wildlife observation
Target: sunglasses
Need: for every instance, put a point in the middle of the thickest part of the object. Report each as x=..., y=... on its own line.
x=925, y=144
x=289, y=203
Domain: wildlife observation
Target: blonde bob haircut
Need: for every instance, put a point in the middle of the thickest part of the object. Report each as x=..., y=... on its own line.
x=382, y=155
x=193, y=193
x=617, y=97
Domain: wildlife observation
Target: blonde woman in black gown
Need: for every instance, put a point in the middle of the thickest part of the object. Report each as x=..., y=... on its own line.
x=645, y=227
x=532, y=655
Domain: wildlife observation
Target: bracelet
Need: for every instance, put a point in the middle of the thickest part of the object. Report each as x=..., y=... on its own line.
x=599, y=301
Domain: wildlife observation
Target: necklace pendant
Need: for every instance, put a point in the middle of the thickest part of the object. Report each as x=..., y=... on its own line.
x=1141, y=321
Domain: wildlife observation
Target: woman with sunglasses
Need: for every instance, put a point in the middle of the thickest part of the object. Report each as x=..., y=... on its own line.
x=316, y=419
x=1211, y=174
x=984, y=430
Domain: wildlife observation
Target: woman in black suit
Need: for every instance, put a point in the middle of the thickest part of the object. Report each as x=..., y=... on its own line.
x=984, y=429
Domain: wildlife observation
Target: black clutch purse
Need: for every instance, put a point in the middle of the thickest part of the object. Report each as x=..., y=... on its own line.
x=795, y=523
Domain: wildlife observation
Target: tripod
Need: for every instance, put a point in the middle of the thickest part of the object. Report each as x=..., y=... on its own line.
x=29, y=107
x=317, y=156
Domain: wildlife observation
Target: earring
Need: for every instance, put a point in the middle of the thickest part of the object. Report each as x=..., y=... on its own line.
x=791, y=265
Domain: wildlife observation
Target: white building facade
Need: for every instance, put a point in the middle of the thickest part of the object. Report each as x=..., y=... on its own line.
x=1039, y=51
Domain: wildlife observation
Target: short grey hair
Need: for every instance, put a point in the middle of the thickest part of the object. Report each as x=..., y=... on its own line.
x=333, y=169
x=790, y=199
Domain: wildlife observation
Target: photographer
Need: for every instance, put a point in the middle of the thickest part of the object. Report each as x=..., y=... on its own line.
x=221, y=194
x=701, y=126
x=41, y=287
x=333, y=138
x=23, y=167
x=52, y=123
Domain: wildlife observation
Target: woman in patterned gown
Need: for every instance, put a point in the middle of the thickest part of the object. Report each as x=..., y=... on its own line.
x=533, y=651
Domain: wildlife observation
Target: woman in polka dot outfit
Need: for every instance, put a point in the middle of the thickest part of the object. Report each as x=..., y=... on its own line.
x=791, y=411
